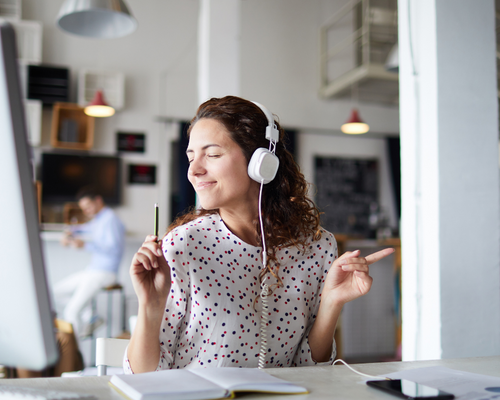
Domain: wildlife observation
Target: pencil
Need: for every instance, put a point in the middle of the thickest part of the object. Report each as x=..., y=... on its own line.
x=156, y=220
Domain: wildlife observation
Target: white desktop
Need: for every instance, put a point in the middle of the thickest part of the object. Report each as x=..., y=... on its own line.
x=27, y=337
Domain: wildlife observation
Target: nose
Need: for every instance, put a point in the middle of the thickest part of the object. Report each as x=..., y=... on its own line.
x=196, y=167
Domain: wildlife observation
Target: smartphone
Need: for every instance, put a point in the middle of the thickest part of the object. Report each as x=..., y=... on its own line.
x=410, y=390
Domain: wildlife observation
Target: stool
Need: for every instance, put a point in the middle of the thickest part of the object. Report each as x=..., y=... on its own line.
x=109, y=290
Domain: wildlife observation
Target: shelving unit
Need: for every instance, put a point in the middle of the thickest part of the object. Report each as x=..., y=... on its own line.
x=10, y=9
x=111, y=83
x=29, y=41
x=33, y=110
x=47, y=83
x=71, y=127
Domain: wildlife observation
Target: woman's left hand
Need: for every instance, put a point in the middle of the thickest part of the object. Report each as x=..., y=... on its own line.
x=349, y=276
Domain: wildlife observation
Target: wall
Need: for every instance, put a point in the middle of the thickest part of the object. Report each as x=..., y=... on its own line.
x=280, y=64
x=316, y=143
x=449, y=136
x=280, y=68
x=159, y=58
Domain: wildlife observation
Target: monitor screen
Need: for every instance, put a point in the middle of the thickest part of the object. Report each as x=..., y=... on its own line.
x=63, y=175
x=27, y=337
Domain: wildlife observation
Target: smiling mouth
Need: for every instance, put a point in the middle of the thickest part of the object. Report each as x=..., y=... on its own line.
x=204, y=185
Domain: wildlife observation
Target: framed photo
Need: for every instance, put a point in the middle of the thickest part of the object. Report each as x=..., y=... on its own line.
x=142, y=174
x=131, y=142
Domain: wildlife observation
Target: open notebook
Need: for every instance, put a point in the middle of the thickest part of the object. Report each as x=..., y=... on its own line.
x=200, y=383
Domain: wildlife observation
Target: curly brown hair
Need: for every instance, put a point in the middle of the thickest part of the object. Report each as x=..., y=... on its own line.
x=290, y=217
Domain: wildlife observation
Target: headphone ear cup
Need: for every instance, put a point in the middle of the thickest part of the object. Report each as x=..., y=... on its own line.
x=263, y=165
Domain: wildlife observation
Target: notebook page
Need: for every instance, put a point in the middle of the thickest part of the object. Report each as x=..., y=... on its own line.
x=247, y=379
x=169, y=384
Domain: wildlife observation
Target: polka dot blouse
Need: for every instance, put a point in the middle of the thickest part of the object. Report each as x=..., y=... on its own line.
x=213, y=313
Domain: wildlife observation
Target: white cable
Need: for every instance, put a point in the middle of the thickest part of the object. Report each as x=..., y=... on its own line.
x=264, y=286
x=264, y=249
x=263, y=325
x=360, y=373
x=264, y=290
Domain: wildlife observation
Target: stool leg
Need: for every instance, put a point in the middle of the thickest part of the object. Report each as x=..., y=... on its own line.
x=110, y=313
x=92, y=337
x=124, y=311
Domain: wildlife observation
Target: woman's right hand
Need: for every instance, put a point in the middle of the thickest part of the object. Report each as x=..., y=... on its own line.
x=150, y=274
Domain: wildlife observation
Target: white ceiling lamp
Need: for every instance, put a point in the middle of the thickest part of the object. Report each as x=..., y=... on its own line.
x=105, y=19
x=392, y=62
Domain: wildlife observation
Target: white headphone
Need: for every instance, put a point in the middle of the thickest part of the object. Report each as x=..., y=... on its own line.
x=264, y=164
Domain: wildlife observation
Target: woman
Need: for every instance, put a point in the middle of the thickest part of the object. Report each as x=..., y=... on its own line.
x=201, y=288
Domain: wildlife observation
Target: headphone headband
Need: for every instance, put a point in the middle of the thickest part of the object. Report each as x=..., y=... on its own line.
x=264, y=164
x=272, y=132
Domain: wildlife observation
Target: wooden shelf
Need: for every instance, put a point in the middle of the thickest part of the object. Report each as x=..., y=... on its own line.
x=71, y=128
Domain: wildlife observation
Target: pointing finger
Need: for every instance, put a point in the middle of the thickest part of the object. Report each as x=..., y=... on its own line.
x=372, y=258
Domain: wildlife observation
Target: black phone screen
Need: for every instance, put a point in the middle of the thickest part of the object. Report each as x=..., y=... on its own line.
x=410, y=390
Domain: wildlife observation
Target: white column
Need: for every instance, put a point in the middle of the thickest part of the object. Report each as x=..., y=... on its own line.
x=450, y=179
x=219, y=48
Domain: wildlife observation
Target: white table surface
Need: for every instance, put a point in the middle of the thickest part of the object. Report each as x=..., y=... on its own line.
x=331, y=382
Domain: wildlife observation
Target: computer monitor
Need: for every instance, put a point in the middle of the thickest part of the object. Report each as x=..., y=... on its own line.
x=27, y=337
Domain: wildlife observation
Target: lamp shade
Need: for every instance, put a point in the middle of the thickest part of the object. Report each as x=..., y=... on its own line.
x=392, y=62
x=96, y=18
x=98, y=107
x=354, y=126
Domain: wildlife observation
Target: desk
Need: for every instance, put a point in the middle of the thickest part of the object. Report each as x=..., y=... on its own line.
x=330, y=382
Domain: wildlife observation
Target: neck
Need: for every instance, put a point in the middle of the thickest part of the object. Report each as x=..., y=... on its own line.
x=242, y=225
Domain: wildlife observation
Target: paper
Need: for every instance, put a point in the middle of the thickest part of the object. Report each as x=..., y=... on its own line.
x=175, y=384
x=464, y=385
x=92, y=371
x=247, y=379
x=200, y=383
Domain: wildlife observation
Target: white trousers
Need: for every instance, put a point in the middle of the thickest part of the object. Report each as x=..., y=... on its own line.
x=81, y=287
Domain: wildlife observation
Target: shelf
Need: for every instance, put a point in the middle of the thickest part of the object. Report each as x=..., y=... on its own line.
x=10, y=9
x=28, y=41
x=47, y=83
x=33, y=110
x=111, y=83
x=72, y=129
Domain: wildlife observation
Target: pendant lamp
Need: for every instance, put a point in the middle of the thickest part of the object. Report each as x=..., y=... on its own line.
x=104, y=19
x=355, y=126
x=98, y=107
x=392, y=62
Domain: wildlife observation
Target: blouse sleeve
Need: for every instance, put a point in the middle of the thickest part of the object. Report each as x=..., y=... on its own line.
x=175, y=310
x=303, y=356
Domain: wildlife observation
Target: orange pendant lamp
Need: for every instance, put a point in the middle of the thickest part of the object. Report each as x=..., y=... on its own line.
x=355, y=126
x=98, y=107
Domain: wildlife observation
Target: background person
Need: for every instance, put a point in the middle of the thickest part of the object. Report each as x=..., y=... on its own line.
x=200, y=289
x=106, y=240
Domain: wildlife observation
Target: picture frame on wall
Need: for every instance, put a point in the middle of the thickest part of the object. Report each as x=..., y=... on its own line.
x=142, y=174
x=131, y=142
